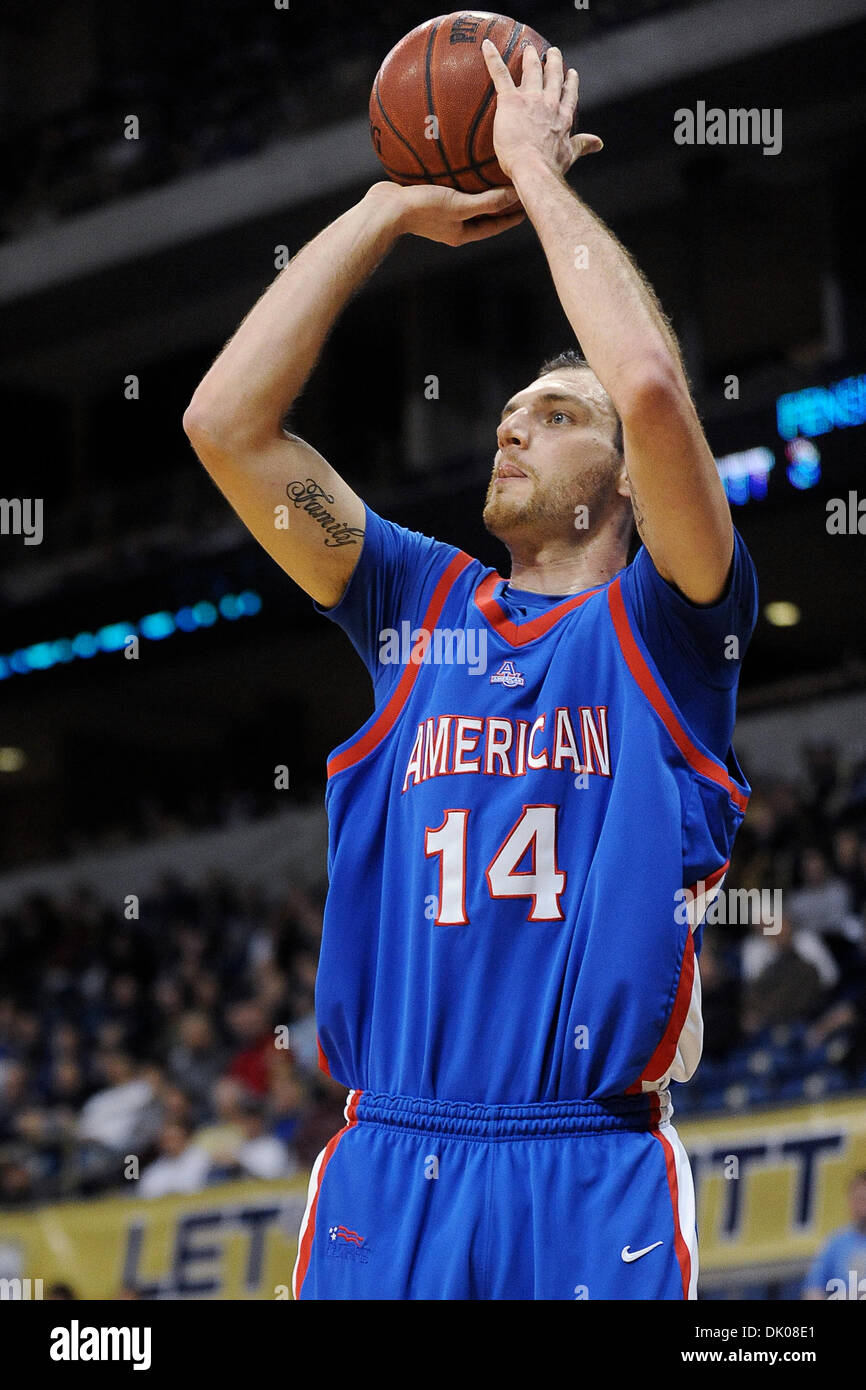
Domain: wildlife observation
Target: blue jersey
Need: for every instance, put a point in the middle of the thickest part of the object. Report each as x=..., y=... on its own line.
x=524, y=835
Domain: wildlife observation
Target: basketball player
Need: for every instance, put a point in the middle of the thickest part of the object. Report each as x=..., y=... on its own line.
x=508, y=980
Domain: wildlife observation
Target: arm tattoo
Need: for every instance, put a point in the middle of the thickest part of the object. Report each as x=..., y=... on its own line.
x=309, y=497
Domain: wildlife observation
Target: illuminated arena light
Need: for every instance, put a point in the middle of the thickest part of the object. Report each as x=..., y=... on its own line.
x=205, y=614
x=153, y=627
x=85, y=645
x=782, y=614
x=804, y=468
x=12, y=759
x=744, y=475
x=113, y=637
x=250, y=603
x=230, y=607
x=186, y=619
x=156, y=626
x=819, y=409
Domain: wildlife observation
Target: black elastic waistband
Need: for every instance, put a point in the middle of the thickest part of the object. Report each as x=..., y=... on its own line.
x=492, y=1122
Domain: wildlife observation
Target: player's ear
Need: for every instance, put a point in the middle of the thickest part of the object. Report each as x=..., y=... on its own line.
x=623, y=487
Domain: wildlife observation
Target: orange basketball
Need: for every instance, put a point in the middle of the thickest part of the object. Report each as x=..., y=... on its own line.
x=433, y=103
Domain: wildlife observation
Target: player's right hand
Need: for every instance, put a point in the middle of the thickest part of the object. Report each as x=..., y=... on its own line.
x=444, y=214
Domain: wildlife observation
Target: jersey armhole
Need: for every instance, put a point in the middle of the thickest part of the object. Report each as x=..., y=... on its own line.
x=645, y=672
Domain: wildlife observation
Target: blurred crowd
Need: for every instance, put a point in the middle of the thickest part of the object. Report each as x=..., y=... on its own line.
x=164, y=1054
x=215, y=90
x=784, y=992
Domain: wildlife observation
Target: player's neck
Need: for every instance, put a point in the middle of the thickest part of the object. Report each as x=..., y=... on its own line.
x=555, y=568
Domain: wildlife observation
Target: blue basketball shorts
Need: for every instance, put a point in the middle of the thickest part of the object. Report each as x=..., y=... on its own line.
x=422, y=1199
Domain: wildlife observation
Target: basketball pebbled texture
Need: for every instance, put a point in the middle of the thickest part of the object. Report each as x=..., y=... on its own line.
x=438, y=69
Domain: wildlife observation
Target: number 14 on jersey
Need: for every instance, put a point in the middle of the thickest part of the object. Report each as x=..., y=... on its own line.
x=534, y=833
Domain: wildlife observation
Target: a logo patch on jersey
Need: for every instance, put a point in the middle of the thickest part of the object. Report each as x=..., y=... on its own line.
x=343, y=1233
x=346, y=1244
x=507, y=674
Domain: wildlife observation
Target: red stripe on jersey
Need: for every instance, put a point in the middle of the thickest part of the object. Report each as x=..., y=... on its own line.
x=323, y=1061
x=514, y=635
x=309, y=1230
x=709, y=767
x=712, y=879
x=388, y=717
x=684, y=1259
x=664, y=1054
x=666, y=1050
x=706, y=886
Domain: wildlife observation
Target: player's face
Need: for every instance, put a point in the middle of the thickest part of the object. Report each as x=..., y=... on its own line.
x=556, y=452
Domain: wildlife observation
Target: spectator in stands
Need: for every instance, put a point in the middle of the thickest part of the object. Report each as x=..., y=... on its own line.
x=272, y=988
x=120, y=1116
x=111, y=1036
x=196, y=1059
x=303, y=1037
x=46, y=1122
x=167, y=1002
x=849, y=861
x=785, y=801
x=28, y=1034
x=841, y=1019
x=786, y=975
x=839, y=1269
x=123, y=1010
x=65, y=1088
x=175, y=1103
x=14, y=1091
x=756, y=842
x=821, y=762
x=251, y=1064
x=46, y=1134
x=65, y=1044
x=223, y=1136
x=182, y=1167
x=322, y=1117
x=17, y=1178
x=288, y=1101
x=822, y=905
x=207, y=992
x=720, y=999
x=262, y=1154
x=844, y=1018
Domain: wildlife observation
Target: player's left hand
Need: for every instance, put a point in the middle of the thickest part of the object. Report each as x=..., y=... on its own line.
x=539, y=114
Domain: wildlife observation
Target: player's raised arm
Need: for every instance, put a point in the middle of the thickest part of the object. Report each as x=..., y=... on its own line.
x=235, y=418
x=679, y=502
